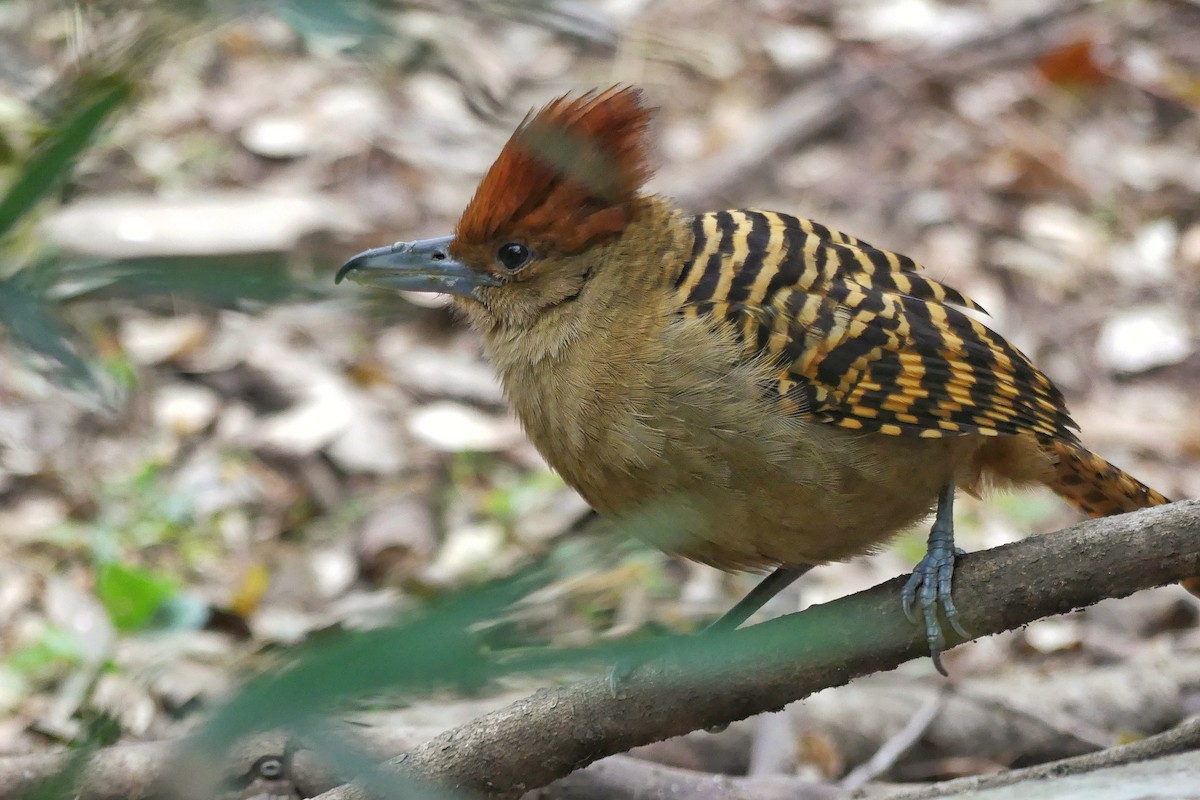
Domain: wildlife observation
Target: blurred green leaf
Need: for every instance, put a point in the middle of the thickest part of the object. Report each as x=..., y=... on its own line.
x=68, y=138
x=101, y=731
x=24, y=310
x=54, y=649
x=33, y=325
x=352, y=21
x=226, y=281
x=353, y=762
x=132, y=596
x=439, y=648
x=436, y=648
x=28, y=298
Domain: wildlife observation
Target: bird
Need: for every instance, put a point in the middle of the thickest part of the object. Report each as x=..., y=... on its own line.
x=764, y=392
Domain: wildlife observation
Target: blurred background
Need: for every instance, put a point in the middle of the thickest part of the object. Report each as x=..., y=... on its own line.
x=209, y=452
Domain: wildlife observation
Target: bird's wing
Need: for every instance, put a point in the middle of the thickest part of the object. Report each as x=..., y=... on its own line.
x=863, y=339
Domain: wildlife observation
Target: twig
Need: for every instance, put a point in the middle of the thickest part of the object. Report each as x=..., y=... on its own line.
x=898, y=745
x=625, y=778
x=1180, y=739
x=773, y=747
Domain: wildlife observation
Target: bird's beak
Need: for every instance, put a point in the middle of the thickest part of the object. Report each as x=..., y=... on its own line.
x=421, y=266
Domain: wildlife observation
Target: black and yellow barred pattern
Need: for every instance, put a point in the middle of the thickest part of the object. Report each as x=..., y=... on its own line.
x=863, y=339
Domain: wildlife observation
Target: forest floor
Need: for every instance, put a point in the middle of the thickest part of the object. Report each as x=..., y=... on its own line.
x=263, y=457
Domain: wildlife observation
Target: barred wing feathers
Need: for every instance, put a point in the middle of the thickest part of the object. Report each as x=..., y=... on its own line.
x=863, y=339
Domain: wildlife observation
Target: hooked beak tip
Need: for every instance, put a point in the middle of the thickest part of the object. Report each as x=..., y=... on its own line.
x=345, y=269
x=361, y=260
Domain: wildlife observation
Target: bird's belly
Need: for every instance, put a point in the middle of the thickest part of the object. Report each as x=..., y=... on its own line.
x=687, y=451
x=741, y=486
x=735, y=512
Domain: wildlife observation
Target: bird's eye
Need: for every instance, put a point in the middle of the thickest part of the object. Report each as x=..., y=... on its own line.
x=513, y=255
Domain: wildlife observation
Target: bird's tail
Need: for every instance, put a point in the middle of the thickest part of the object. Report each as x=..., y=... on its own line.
x=1098, y=489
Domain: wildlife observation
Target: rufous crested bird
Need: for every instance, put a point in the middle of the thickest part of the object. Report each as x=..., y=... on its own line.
x=792, y=394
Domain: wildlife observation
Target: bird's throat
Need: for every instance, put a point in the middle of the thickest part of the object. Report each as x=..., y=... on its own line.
x=579, y=374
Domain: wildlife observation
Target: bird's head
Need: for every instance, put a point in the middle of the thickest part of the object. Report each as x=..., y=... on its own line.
x=560, y=194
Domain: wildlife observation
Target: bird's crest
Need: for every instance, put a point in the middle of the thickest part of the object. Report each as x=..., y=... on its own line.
x=567, y=177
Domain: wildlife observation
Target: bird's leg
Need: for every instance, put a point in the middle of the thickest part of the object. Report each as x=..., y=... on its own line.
x=929, y=585
x=757, y=597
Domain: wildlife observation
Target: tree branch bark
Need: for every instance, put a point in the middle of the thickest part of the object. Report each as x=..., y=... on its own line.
x=715, y=679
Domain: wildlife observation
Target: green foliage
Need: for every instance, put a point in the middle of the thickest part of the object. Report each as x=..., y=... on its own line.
x=35, y=282
x=25, y=311
x=133, y=596
x=349, y=22
x=100, y=732
x=438, y=648
x=68, y=137
x=33, y=323
x=144, y=536
x=54, y=650
x=139, y=511
x=507, y=501
x=226, y=282
x=1028, y=510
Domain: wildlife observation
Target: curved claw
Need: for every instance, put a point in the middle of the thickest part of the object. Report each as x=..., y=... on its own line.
x=929, y=586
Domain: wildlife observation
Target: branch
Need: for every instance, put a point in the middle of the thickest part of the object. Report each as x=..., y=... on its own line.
x=1182, y=738
x=981, y=719
x=730, y=676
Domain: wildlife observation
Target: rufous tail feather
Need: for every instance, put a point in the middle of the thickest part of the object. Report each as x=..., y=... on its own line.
x=1098, y=489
